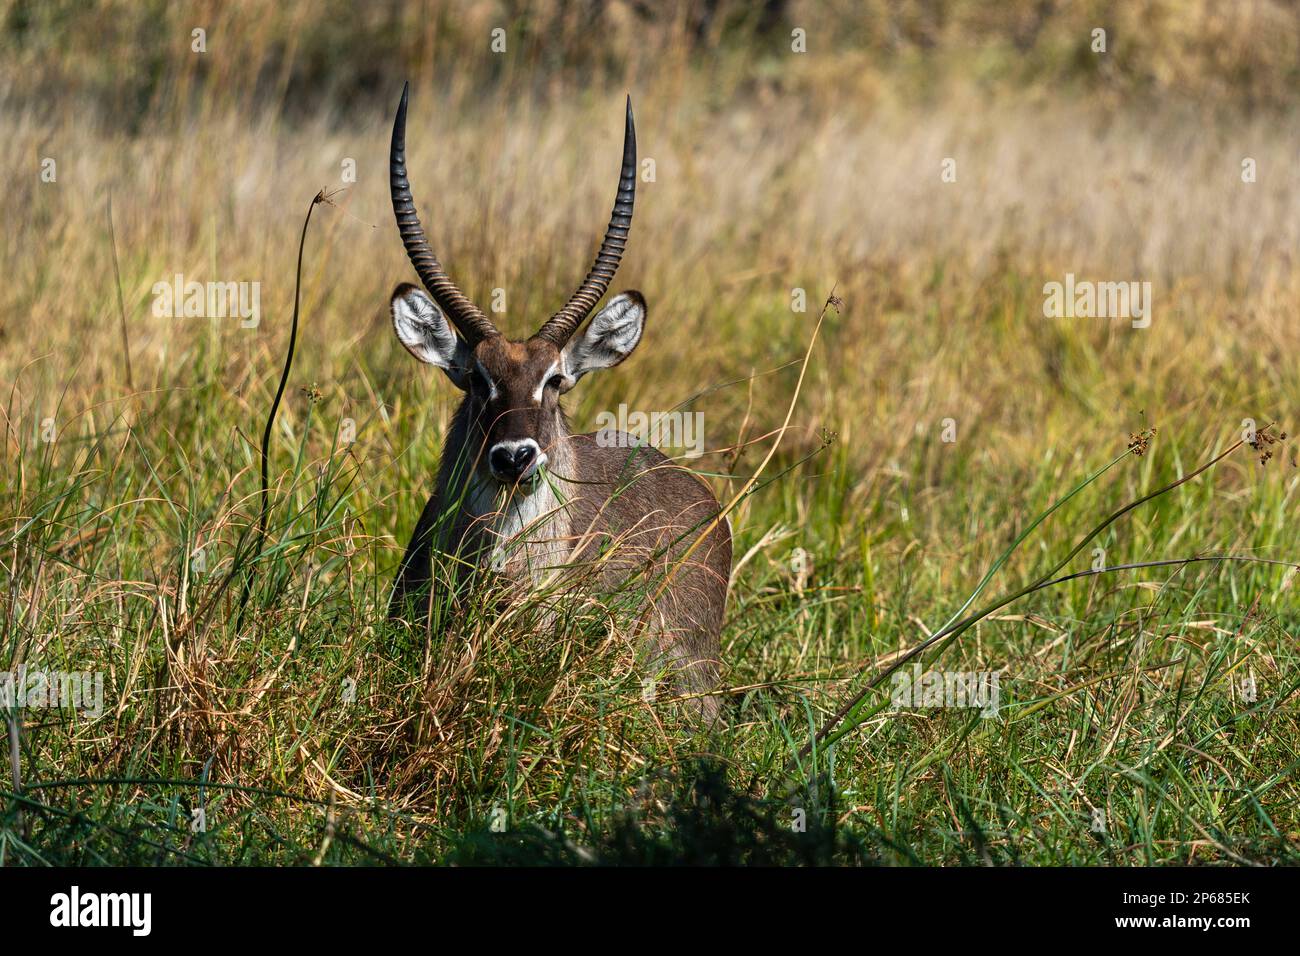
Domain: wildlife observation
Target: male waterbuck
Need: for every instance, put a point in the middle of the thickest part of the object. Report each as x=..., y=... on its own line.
x=518, y=495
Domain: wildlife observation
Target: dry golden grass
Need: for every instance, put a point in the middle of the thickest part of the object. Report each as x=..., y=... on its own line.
x=772, y=172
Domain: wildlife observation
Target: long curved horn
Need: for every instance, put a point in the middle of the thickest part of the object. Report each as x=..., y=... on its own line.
x=560, y=326
x=472, y=323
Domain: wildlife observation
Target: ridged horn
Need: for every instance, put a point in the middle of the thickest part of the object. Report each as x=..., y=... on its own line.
x=468, y=319
x=559, y=327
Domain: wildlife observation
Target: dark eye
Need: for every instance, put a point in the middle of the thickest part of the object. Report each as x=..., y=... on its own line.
x=555, y=382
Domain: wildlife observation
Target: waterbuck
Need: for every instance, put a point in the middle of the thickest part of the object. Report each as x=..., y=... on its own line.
x=518, y=495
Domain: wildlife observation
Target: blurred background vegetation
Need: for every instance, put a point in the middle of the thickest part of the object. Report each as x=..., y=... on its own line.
x=132, y=63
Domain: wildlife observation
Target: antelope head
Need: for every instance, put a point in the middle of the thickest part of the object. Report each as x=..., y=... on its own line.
x=512, y=388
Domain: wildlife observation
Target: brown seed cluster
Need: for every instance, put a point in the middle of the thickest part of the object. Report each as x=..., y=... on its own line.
x=1264, y=440
x=1138, y=442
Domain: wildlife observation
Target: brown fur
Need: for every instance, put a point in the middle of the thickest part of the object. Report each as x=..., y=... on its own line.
x=626, y=515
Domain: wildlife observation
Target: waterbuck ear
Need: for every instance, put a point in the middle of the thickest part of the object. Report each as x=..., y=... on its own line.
x=424, y=330
x=609, y=337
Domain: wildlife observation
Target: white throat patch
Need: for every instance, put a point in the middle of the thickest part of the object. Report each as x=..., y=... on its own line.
x=526, y=532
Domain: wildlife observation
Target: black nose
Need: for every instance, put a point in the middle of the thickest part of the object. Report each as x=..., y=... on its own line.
x=510, y=463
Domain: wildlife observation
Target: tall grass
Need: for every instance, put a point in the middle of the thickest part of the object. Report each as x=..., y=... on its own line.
x=314, y=732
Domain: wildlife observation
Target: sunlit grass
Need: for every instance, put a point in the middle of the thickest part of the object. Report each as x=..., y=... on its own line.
x=1148, y=716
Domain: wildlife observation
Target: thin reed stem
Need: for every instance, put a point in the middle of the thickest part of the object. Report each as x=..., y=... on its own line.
x=320, y=197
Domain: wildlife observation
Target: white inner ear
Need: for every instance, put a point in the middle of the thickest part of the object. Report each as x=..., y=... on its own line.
x=609, y=337
x=424, y=330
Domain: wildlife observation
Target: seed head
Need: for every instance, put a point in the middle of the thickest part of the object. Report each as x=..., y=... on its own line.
x=1139, y=441
x=1264, y=440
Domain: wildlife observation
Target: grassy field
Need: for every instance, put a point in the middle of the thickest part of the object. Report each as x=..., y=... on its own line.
x=1147, y=715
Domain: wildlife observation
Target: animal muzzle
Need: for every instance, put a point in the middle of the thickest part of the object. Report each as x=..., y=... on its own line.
x=516, y=460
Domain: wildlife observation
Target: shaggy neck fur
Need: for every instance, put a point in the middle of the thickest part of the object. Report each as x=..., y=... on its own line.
x=519, y=531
